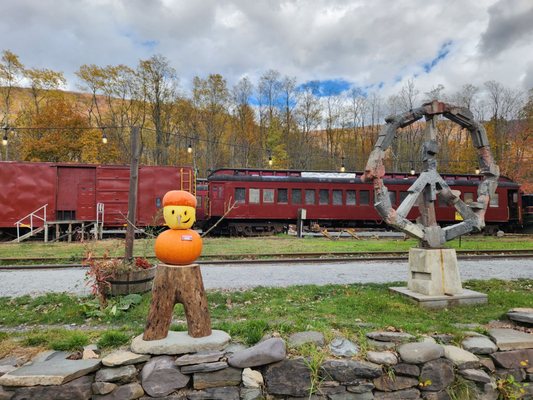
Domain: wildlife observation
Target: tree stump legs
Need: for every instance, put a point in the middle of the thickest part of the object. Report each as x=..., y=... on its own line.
x=178, y=284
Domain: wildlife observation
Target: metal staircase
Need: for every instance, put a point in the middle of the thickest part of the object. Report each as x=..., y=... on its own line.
x=31, y=217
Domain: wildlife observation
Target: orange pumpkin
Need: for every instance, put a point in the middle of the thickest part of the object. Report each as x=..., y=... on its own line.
x=178, y=246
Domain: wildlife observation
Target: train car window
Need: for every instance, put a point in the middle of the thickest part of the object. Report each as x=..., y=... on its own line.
x=337, y=197
x=515, y=197
x=494, y=200
x=350, y=198
x=323, y=197
x=296, y=196
x=403, y=196
x=268, y=195
x=253, y=196
x=364, y=197
x=309, y=196
x=392, y=197
x=240, y=195
x=283, y=196
x=468, y=197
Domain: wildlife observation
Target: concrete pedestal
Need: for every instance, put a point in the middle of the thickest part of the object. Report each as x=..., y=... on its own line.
x=434, y=272
x=434, y=280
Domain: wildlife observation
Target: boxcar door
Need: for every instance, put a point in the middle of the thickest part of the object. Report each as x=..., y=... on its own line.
x=86, y=200
x=69, y=181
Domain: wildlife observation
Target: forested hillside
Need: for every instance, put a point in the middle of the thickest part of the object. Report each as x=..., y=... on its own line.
x=300, y=126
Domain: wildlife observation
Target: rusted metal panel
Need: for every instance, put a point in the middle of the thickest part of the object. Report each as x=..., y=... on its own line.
x=24, y=188
x=154, y=182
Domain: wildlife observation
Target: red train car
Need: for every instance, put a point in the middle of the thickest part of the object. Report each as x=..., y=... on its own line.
x=73, y=192
x=266, y=201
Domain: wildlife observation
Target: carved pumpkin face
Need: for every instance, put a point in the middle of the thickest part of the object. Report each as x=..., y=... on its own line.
x=179, y=217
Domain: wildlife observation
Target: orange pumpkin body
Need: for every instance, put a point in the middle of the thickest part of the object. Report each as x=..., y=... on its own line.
x=178, y=246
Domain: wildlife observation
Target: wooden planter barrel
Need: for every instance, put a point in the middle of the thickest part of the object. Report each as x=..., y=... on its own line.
x=138, y=281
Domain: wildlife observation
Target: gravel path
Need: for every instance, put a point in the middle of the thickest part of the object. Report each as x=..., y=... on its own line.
x=18, y=283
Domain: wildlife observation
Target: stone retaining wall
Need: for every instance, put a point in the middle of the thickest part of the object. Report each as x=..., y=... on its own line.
x=400, y=368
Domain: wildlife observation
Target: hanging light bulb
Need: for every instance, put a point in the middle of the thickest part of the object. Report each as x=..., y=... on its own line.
x=412, y=172
x=270, y=162
x=104, y=136
x=4, y=139
x=189, y=149
x=343, y=167
x=478, y=171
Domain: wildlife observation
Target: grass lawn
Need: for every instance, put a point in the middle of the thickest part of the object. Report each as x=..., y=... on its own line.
x=350, y=310
x=251, y=246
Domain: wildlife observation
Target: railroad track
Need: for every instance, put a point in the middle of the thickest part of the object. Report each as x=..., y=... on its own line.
x=63, y=262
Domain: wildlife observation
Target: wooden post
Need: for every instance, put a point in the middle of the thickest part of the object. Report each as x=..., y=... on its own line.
x=132, y=196
x=178, y=284
x=69, y=231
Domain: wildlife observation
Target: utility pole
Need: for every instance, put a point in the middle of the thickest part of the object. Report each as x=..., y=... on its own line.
x=132, y=196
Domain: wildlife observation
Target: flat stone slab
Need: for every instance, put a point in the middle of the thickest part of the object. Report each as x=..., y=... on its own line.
x=124, y=357
x=523, y=315
x=180, y=343
x=418, y=353
x=395, y=337
x=461, y=358
x=479, y=345
x=199, y=358
x=467, y=297
x=510, y=339
x=56, y=371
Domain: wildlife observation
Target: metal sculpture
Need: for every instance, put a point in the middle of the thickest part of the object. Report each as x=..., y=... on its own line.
x=426, y=187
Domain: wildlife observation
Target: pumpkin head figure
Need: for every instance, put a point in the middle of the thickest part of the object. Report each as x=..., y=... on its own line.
x=179, y=209
x=179, y=245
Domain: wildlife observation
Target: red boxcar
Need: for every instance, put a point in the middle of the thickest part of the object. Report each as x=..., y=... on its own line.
x=73, y=191
x=267, y=201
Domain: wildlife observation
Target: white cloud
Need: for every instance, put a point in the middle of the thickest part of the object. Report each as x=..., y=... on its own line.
x=364, y=42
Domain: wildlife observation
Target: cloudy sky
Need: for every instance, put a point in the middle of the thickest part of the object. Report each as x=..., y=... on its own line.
x=364, y=43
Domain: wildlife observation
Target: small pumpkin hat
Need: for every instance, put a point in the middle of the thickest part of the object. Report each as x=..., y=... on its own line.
x=179, y=198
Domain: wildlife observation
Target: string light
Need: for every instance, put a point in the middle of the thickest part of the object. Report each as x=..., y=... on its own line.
x=478, y=171
x=189, y=149
x=104, y=136
x=343, y=168
x=270, y=162
x=412, y=172
x=4, y=139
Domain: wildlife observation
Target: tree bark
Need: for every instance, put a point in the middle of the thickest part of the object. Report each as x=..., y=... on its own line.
x=178, y=284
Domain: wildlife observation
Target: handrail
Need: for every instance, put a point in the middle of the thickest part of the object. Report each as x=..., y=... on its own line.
x=31, y=215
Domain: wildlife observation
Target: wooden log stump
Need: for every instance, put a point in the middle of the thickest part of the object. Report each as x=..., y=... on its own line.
x=178, y=284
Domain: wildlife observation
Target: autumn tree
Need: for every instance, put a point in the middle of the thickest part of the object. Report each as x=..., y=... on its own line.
x=269, y=89
x=211, y=96
x=60, y=134
x=11, y=70
x=308, y=117
x=244, y=128
x=43, y=83
x=159, y=84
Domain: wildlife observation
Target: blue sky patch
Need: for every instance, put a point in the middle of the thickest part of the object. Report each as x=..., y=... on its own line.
x=441, y=55
x=327, y=87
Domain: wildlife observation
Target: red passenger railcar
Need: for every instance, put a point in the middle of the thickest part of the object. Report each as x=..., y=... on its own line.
x=72, y=192
x=264, y=201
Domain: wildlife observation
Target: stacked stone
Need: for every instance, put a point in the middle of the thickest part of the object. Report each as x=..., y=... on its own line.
x=400, y=368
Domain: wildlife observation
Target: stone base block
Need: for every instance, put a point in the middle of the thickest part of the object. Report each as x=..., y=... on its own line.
x=467, y=297
x=180, y=343
x=434, y=272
